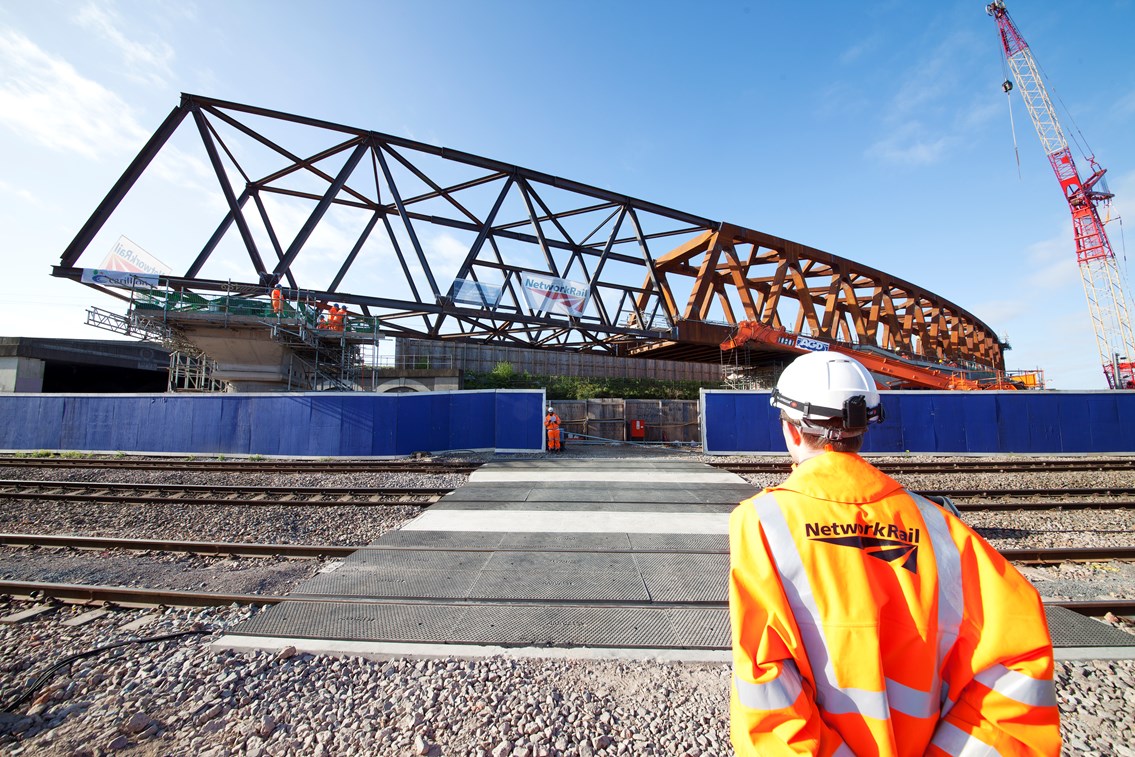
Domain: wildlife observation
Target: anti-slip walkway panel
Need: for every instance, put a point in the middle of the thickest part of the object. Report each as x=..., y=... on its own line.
x=597, y=493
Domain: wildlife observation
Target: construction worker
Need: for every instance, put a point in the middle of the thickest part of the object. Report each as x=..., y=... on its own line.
x=552, y=425
x=277, y=300
x=335, y=317
x=866, y=619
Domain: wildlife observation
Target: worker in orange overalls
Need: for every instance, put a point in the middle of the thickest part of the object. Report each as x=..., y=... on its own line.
x=277, y=300
x=552, y=425
x=866, y=619
x=335, y=317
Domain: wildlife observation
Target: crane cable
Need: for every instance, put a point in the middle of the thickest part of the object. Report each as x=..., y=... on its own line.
x=1007, y=87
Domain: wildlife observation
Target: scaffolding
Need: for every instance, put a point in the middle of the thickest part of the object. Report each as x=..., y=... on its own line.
x=336, y=354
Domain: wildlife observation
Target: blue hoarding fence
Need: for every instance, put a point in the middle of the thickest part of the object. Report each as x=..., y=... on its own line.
x=738, y=422
x=321, y=424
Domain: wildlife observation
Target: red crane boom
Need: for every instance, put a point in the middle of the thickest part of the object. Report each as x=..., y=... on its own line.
x=1103, y=284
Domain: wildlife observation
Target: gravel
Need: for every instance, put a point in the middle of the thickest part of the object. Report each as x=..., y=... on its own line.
x=186, y=697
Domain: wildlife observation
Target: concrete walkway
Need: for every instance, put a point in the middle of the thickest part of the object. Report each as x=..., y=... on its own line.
x=613, y=558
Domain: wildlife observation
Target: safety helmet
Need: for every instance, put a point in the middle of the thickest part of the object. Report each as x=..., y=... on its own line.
x=550, y=410
x=819, y=386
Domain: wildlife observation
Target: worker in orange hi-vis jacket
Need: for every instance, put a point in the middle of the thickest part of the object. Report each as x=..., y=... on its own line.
x=277, y=301
x=552, y=425
x=870, y=620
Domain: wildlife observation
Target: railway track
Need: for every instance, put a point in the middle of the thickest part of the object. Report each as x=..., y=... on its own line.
x=985, y=499
x=122, y=596
x=1035, y=556
x=239, y=466
x=959, y=466
x=197, y=494
x=434, y=467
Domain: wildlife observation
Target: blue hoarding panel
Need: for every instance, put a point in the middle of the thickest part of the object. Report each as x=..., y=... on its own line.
x=205, y=421
x=1044, y=420
x=979, y=422
x=888, y=435
x=384, y=425
x=153, y=415
x=1024, y=422
x=31, y=422
x=357, y=425
x=324, y=426
x=1071, y=422
x=740, y=421
x=519, y=421
x=280, y=424
x=384, y=432
x=416, y=421
x=472, y=420
x=945, y=412
x=1104, y=421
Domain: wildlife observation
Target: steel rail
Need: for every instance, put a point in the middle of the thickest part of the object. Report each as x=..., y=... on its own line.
x=967, y=466
x=988, y=493
x=256, y=466
x=204, y=494
x=1005, y=506
x=243, y=549
x=1022, y=555
x=198, y=494
x=134, y=597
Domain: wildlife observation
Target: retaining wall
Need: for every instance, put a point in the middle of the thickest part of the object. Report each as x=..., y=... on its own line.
x=948, y=422
x=323, y=424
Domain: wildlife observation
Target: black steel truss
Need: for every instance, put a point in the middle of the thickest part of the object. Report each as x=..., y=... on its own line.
x=513, y=221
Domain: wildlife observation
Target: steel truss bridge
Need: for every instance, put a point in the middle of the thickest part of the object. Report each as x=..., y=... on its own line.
x=386, y=225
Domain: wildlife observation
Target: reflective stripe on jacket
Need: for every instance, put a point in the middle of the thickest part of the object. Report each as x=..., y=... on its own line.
x=866, y=620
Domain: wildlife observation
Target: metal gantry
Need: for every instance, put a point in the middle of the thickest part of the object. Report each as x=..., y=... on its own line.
x=443, y=244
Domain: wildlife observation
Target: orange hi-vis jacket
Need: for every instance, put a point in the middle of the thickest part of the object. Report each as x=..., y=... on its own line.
x=868, y=621
x=552, y=422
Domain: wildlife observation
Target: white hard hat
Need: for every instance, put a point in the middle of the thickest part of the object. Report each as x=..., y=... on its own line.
x=550, y=410
x=824, y=386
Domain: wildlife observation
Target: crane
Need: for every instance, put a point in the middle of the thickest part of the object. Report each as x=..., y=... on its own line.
x=1099, y=270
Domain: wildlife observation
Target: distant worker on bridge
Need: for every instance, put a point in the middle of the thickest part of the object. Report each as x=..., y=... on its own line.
x=552, y=425
x=277, y=300
x=336, y=317
x=866, y=619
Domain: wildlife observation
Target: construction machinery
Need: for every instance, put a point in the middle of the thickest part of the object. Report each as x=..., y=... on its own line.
x=891, y=371
x=1103, y=284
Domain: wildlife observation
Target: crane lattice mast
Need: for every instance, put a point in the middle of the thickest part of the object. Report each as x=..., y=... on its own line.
x=1099, y=270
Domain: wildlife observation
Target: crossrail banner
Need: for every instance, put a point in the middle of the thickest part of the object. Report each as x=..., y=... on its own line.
x=550, y=294
x=476, y=293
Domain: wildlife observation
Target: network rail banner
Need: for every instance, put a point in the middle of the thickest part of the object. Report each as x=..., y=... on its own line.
x=1025, y=422
x=554, y=295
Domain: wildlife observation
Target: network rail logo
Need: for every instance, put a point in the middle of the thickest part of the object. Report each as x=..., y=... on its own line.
x=883, y=541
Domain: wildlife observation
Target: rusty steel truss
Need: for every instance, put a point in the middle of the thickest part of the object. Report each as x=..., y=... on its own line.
x=658, y=279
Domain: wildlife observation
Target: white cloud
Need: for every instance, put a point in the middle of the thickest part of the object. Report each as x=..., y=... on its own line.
x=45, y=100
x=22, y=194
x=1052, y=263
x=860, y=48
x=933, y=110
x=911, y=144
x=149, y=63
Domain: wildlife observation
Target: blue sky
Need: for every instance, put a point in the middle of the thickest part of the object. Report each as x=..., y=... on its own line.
x=876, y=131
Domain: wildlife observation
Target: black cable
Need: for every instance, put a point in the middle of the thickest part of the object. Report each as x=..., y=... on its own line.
x=35, y=685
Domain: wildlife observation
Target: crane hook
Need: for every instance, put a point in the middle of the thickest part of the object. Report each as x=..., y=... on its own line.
x=1007, y=86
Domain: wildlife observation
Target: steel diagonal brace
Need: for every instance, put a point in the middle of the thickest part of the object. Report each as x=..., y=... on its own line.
x=320, y=210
